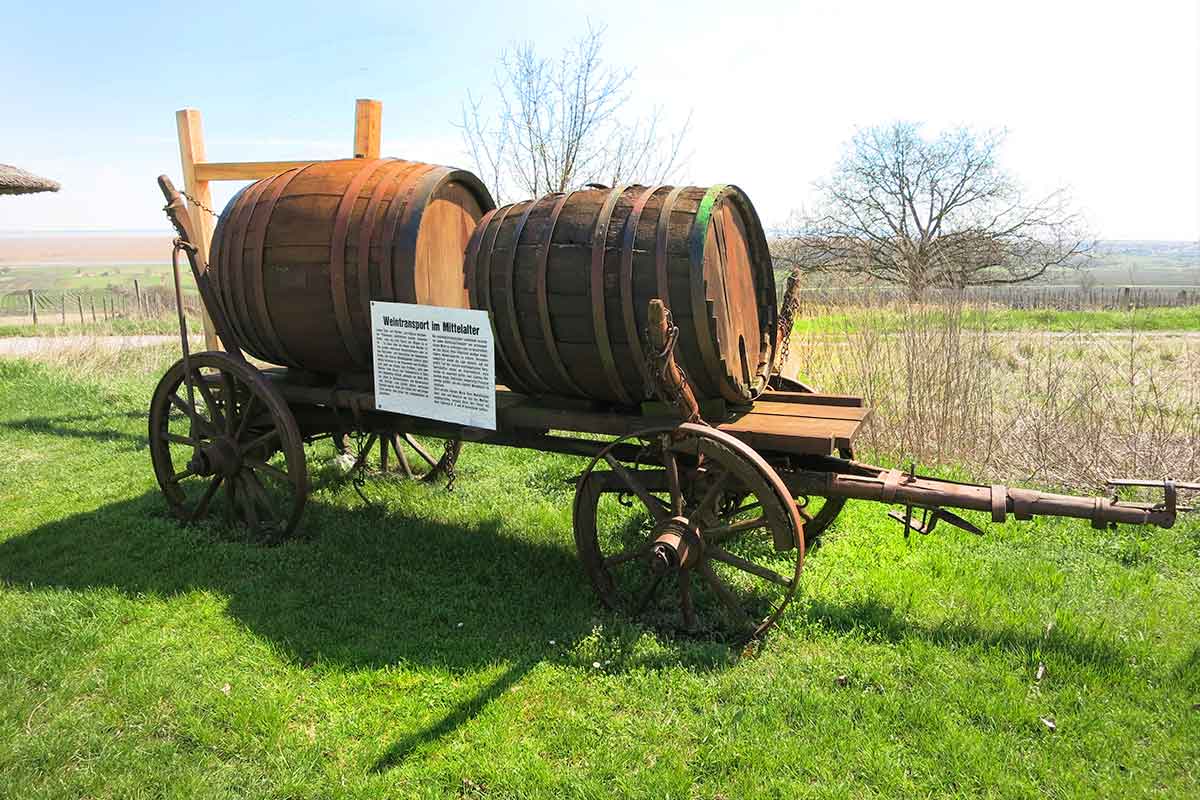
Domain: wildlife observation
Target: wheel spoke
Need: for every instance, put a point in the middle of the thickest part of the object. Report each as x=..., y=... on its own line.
x=710, y=497
x=183, y=473
x=251, y=517
x=725, y=595
x=176, y=438
x=231, y=496
x=719, y=554
x=205, y=499
x=213, y=409
x=192, y=414
x=405, y=467
x=672, y=465
x=685, y=599
x=259, y=492
x=652, y=503
x=263, y=466
x=259, y=441
x=421, y=451
x=723, y=532
x=229, y=389
x=741, y=510
x=627, y=555
x=648, y=595
x=245, y=418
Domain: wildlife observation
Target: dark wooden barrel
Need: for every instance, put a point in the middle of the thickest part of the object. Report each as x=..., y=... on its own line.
x=298, y=257
x=568, y=279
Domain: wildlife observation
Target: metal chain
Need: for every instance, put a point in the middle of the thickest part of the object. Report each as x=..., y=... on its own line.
x=787, y=314
x=193, y=201
x=448, y=460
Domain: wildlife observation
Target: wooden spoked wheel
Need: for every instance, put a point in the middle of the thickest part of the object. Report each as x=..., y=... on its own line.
x=404, y=454
x=232, y=436
x=708, y=539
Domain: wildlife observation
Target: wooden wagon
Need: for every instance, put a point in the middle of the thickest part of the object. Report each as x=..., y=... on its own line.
x=698, y=518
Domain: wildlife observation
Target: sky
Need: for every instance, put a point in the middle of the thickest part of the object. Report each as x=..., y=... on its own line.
x=1100, y=97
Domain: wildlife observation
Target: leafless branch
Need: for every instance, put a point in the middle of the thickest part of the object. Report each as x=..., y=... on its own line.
x=921, y=212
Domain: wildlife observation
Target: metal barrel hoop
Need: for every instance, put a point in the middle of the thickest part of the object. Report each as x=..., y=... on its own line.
x=599, y=310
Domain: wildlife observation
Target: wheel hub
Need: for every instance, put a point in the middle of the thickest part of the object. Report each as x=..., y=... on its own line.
x=677, y=545
x=219, y=457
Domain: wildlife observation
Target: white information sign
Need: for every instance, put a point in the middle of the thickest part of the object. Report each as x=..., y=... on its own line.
x=434, y=362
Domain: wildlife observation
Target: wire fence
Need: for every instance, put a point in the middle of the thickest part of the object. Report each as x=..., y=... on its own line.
x=81, y=306
x=1059, y=298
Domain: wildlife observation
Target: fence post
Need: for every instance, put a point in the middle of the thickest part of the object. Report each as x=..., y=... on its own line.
x=79, y=303
x=33, y=307
x=93, y=301
x=62, y=308
x=137, y=293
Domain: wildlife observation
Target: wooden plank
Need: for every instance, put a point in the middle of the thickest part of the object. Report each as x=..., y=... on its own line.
x=857, y=414
x=776, y=432
x=368, y=128
x=813, y=398
x=191, y=152
x=244, y=170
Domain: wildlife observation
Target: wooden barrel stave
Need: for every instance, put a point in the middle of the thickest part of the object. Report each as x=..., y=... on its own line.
x=298, y=257
x=570, y=311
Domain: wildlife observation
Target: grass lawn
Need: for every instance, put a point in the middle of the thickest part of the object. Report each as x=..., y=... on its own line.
x=442, y=644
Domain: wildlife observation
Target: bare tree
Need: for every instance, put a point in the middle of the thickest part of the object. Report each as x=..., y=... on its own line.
x=556, y=124
x=921, y=212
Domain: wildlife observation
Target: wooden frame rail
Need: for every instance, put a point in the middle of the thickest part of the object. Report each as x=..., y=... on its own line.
x=198, y=172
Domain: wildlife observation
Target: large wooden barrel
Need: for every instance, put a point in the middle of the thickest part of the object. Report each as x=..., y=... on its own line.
x=568, y=279
x=297, y=258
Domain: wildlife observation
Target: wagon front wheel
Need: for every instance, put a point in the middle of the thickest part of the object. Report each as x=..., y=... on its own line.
x=708, y=539
x=222, y=436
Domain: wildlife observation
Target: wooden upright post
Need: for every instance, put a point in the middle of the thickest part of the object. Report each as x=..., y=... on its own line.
x=368, y=120
x=191, y=151
x=33, y=306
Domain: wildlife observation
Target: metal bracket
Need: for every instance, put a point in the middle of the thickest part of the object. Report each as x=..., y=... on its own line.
x=1170, y=489
x=929, y=520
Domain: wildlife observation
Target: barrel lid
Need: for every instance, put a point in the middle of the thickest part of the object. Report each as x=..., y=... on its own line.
x=738, y=303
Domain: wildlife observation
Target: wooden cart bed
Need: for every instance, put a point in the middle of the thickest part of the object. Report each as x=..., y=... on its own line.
x=789, y=422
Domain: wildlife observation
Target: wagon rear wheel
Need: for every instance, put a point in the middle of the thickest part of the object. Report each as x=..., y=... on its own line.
x=711, y=541
x=227, y=441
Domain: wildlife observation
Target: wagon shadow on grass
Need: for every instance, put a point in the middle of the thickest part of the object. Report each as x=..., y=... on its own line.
x=362, y=587
x=75, y=426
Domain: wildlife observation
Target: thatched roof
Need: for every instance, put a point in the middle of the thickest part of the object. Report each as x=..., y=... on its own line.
x=18, y=181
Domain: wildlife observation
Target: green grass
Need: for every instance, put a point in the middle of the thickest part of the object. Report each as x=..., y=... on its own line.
x=1004, y=320
x=404, y=649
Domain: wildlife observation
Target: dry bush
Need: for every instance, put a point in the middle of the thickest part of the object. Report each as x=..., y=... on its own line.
x=1062, y=409
x=92, y=356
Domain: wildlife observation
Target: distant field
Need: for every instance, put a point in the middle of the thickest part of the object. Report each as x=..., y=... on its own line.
x=1001, y=320
x=81, y=249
